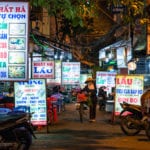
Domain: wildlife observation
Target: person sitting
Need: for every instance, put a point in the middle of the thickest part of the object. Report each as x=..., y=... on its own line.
x=8, y=100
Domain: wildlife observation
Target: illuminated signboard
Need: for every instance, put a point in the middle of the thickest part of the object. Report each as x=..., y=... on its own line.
x=57, y=79
x=14, y=18
x=105, y=79
x=33, y=94
x=129, y=88
x=43, y=69
x=71, y=73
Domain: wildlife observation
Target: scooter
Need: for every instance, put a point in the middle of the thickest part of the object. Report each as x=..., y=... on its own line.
x=16, y=130
x=133, y=119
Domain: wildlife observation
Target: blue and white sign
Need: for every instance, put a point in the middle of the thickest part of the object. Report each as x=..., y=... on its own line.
x=14, y=20
x=70, y=73
x=33, y=95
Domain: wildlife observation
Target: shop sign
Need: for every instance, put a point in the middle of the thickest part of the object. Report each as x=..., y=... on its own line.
x=105, y=79
x=71, y=73
x=14, y=20
x=57, y=79
x=129, y=88
x=117, y=9
x=43, y=69
x=32, y=94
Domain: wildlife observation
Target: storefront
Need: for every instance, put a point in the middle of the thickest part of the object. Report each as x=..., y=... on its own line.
x=115, y=57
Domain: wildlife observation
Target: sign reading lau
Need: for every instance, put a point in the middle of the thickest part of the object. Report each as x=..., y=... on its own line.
x=33, y=94
x=14, y=40
x=129, y=88
x=43, y=69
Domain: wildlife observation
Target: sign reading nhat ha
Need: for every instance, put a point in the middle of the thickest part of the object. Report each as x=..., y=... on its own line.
x=43, y=69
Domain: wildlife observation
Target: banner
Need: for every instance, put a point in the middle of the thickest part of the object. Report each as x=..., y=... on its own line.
x=129, y=88
x=33, y=94
x=14, y=20
x=70, y=73
x=106, y=79
x=43, y=69
x=57, y=79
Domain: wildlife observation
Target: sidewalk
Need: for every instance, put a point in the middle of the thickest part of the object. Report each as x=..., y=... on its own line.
x=69, y=131
x=70, y=119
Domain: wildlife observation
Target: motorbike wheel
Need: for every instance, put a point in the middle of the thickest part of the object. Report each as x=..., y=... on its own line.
x=147, y=130
x=128, y=127
x=24, y=137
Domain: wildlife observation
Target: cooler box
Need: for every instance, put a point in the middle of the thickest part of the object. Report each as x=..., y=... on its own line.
x=109, y=106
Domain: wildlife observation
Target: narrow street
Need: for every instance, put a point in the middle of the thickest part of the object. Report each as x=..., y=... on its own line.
x=69, y=134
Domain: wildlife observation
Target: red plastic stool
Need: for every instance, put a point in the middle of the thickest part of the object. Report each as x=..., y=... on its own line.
x=52, y=109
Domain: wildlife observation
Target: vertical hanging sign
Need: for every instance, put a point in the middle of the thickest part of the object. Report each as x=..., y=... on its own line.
x=148, y=39
x=14, y=20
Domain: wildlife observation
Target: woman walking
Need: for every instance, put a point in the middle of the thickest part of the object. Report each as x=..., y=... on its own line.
x=91, y=90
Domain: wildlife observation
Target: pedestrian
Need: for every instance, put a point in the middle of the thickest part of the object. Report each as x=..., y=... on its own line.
x=91, y=91
x=101, y=98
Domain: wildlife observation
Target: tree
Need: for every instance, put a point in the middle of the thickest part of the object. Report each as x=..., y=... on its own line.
x=75, y=20
x=72, y=18
x=133, y=12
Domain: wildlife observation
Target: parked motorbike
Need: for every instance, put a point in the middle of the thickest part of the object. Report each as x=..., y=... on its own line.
x=133, y=120
x=16, y=131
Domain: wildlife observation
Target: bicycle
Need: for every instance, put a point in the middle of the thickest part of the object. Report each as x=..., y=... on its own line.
x=81, y=105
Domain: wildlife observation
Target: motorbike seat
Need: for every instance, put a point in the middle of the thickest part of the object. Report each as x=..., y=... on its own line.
x=133, y=105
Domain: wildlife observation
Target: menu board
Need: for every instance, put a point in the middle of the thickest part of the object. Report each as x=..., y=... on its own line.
x=105, y=79
x=129, y=88
x=33, y=94
x=70, y=73
x=57, y=79
x=43, y=69
x=14, y=17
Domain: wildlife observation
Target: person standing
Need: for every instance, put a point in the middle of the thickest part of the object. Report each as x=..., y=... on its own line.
x=91, y=91
x=101, y=98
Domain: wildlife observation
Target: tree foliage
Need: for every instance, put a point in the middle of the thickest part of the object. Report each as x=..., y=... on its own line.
x=75, y=17
x=72, y=10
